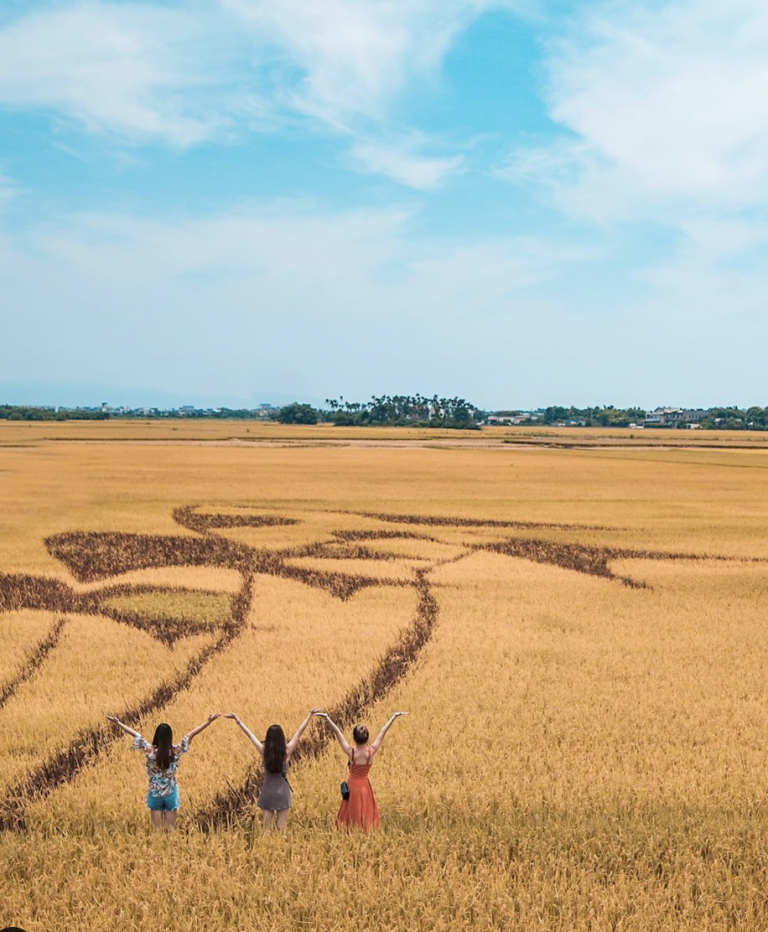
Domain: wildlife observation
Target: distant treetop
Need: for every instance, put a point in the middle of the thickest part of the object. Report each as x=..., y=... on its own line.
x=404, y=411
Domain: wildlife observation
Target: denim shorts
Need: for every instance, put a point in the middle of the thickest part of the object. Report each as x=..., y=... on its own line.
x=164, y=803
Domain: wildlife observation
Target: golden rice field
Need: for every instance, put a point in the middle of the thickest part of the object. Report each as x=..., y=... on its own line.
x=578, y=626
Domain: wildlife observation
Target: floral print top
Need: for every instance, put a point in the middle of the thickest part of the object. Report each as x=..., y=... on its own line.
x=161, y=782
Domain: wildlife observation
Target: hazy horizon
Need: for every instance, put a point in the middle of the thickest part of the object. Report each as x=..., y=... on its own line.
x=68, y=395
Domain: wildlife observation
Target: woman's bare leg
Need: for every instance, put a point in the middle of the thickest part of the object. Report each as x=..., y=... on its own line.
x=282, y=819
x=268, y=820
x=170, y=820
x=157, y=818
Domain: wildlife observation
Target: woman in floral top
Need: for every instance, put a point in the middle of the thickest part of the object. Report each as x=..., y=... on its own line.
x=163, y=758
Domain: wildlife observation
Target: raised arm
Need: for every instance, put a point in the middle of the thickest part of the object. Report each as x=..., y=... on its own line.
x=249, y=733
x=129, y=731
x=345, y=745
x=206, y=723
x=291, y=746
x=380, y=737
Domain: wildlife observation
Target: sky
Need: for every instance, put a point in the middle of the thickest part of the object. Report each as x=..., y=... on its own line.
x=522, y=202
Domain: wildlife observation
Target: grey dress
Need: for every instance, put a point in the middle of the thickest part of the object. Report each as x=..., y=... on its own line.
x=275, y=791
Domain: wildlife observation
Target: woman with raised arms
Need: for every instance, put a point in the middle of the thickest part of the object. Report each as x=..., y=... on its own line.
x=163, y=758
x=275, y=797
x=360, y=808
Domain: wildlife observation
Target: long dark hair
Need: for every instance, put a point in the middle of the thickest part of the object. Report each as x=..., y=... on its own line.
x=163, y=742
x=274, y=749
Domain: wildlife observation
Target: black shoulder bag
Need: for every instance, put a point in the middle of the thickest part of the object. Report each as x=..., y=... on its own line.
x=344, y=784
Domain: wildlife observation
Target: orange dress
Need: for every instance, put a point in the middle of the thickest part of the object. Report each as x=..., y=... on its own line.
x=360, y=809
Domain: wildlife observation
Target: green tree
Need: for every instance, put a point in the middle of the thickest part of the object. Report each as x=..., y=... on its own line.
x=297, y=413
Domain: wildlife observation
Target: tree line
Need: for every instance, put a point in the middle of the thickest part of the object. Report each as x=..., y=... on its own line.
x=753, y=418
x=719, y=418
x=606, y=416
x=33, y=413
x=401, y=411
x=28, y=413
x=387, y=410
x=404, y=411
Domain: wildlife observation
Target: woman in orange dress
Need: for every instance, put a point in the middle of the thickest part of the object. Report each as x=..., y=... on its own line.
x=361, y=808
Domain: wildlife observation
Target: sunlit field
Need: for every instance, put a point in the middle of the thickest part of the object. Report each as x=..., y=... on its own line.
x=578, y=632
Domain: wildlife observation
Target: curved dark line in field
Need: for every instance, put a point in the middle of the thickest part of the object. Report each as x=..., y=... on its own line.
x=354, y=536
x=19, y=592
x=341, y=585
x=64, y=766
x=593, y=561
x=189, y=517
x=436, y=521
x=166, y=628
x=231, y=805
x=92, y=557
x=341, y=550
x=97, y=556
x=34, y=661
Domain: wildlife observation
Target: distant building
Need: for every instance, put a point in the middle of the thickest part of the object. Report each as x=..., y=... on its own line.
x=499, y=420
x=675, y=417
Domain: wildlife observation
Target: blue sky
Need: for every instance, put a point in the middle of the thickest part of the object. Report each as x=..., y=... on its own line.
x=523, y=202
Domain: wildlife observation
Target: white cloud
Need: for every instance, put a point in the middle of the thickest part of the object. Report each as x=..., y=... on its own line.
x=665, y=143
x=186, y=74
x=666, y=108
x=355, y=56
x=346, y=63
x=402, y=160
x=134, y=70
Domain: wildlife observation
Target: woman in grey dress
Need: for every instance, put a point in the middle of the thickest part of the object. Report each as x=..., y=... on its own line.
x=275, y=796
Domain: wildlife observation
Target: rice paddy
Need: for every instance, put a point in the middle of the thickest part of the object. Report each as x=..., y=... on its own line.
x=578, y=634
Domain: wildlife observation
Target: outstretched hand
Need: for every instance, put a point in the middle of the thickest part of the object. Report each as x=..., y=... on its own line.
x=398, y=714
x=213, y=717
x=115, y=719
x=233, y=715
x=320, y=712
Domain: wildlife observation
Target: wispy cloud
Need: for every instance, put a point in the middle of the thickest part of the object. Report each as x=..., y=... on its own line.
x=663, y=137
x=665, y=110
x=405, y=160
x=353, y=57
x=349, y=62
x=139, y=72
